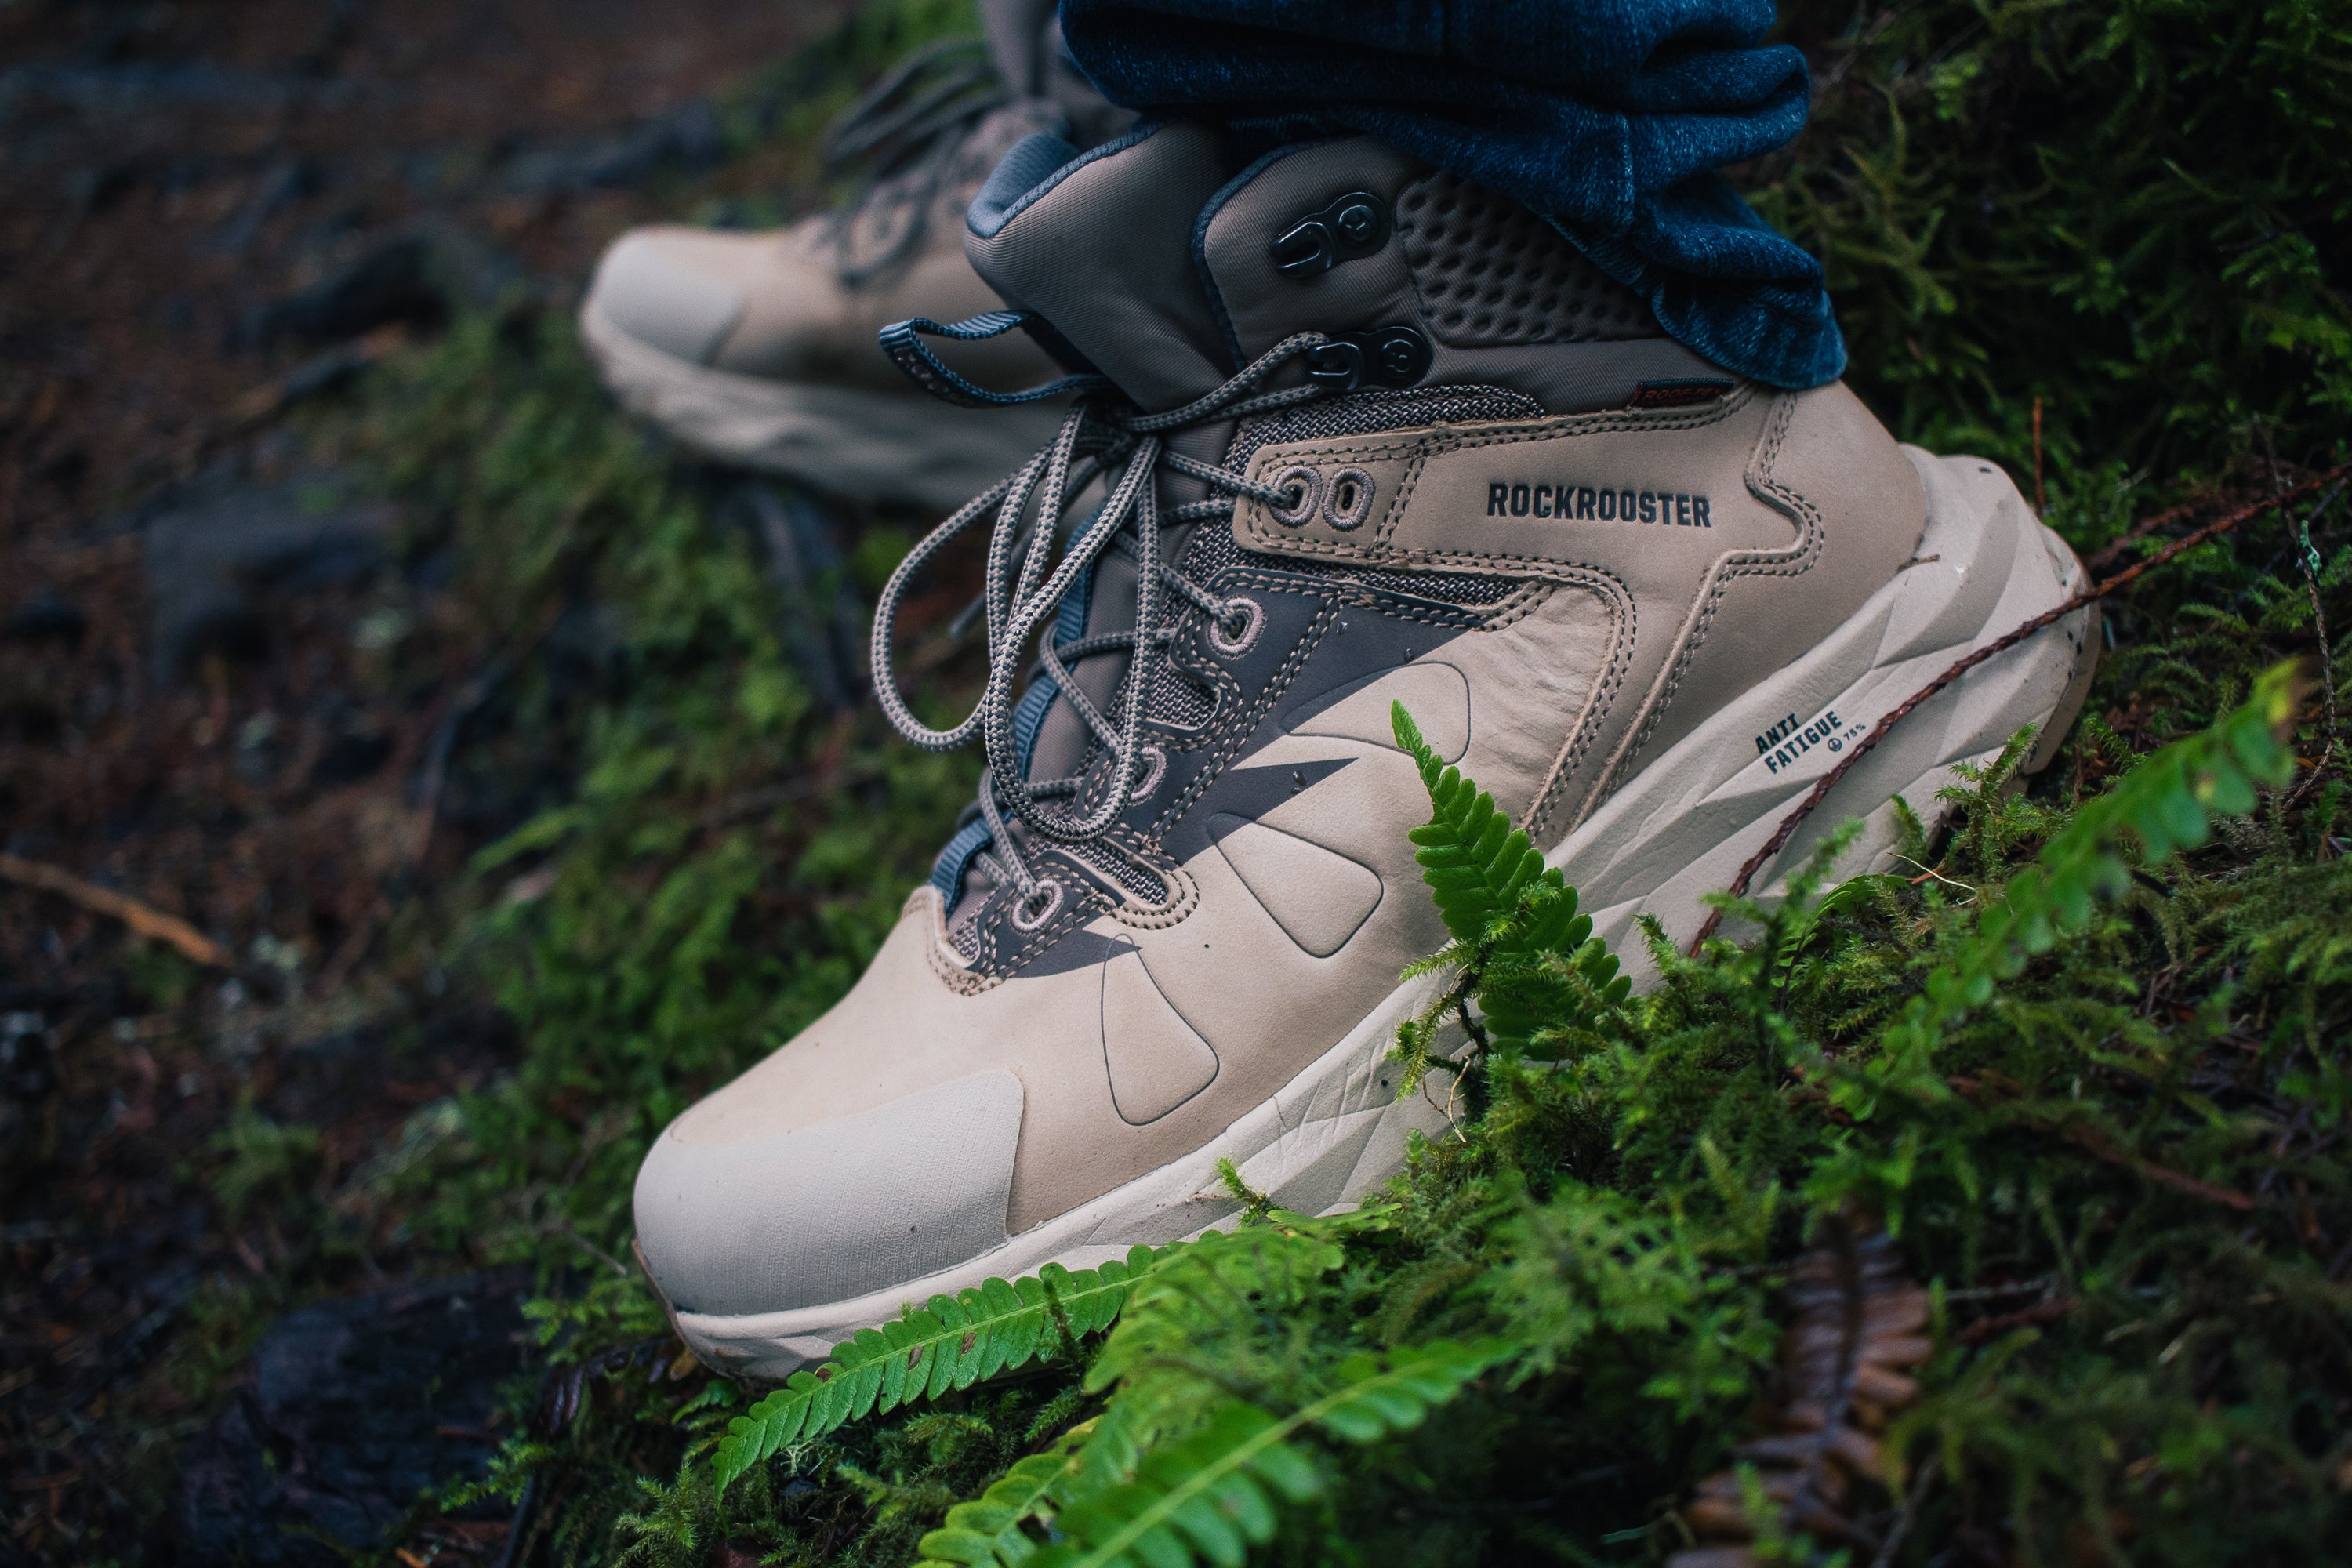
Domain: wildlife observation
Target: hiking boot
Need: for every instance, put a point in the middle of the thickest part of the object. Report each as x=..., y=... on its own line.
x=758, y=349
x=1364, y=434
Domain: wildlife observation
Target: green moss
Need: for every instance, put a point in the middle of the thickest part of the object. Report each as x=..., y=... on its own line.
x=2134, y=214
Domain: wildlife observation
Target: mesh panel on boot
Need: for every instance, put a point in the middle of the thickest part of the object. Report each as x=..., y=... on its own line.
x=1491, y=272
x=1121, y=873
x=1173, y=700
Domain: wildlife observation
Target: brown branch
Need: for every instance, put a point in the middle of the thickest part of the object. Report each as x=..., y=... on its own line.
x=2096, y=1144
x=467, y=701
x=2164, y=1174
x=144, y=919
x=2121, y=580
x=2112, y=551
x=1986, y=1329
x=319, y=373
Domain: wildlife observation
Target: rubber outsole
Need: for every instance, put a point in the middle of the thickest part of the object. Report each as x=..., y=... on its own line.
x=1339, y=1131
x=852, y=441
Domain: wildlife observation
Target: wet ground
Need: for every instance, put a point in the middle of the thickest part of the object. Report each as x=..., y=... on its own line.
x=208, y=214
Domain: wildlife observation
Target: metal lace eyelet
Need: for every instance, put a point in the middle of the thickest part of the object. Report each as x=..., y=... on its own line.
x=1348, y=498
x=1252, y=615
x=1155, y=768
x=1307, y=485
x=1050, y=890
x=1352, y=227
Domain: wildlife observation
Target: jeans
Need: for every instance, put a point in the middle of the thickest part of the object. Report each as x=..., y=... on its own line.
x=1608, y=117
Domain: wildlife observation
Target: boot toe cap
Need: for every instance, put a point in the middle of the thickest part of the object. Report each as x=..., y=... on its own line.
x=652, y=285
x=832, y=1211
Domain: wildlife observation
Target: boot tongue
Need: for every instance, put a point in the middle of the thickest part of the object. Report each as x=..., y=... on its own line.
x=1102, y=248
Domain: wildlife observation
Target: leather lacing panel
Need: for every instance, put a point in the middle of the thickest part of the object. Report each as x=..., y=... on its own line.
x=1364, y=414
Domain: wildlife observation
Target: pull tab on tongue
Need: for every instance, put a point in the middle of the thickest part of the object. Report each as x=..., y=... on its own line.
x=1101, y=246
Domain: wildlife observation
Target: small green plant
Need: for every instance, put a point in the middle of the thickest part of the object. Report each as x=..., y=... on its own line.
x=951, y=1342
x=1214, y=1495
x=1540, y=975
x=268, y=1162
x=1230, y=1351
x=2167, y=802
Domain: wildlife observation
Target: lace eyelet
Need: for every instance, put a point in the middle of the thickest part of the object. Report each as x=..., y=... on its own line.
x=1308, y=484
x=1050, y=888
x=1155, y=768
x=1253, y=619
x=1348, y=498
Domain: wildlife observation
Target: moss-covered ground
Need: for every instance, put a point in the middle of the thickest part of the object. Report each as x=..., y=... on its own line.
x=2107, y=245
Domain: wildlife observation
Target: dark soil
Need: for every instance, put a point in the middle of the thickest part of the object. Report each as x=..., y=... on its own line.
x=208, y=213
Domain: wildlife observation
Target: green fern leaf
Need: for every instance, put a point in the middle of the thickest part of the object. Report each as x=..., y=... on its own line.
x=986, y=1532
x=1537, y=972
x=2167, y=803
x=1465, y=849
x=1222, y=1279
x=1211, y=1497
x=951, y=1342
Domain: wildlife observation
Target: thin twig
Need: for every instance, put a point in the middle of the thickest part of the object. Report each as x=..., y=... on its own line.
x=438, y=751
x=2099, y=1148
x=2121, y=580
x=2112, y=551
x=1984, y=1330
x=144, y=919
x=468, y=701
x=314, y=376
x=564, y=1228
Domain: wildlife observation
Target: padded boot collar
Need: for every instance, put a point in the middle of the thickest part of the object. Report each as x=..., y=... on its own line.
x=1102, y=247
x=1164, y=263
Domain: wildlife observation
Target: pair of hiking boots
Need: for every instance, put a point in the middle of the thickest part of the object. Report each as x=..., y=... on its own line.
x=1348, y=432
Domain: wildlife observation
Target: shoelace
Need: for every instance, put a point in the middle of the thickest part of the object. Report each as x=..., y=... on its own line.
x=906, y=129
x=1102, y=434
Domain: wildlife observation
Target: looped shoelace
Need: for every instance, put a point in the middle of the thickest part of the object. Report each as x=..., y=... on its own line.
x=907, y=128
x=1098, y=437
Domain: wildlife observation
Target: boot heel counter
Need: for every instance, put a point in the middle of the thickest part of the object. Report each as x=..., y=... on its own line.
x=1827, y=451
x=1825, y=462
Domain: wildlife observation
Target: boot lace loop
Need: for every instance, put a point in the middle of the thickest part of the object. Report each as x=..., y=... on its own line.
x=1024, y=587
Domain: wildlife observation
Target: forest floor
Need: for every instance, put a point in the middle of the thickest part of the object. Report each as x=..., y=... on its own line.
x=473, y=743
x=208, y=215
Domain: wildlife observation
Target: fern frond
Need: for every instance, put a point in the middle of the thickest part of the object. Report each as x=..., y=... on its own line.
x=1214, y=1495
x=1476, y=863
x=986, y=1532
x=949, y=1342
x=1859, y=1321
x=2169, y=802
x=1539, y=975
x=1224, y=1278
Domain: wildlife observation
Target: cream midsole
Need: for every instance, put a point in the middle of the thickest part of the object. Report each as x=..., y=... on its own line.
x=1339, y=1131
x=1984, y=565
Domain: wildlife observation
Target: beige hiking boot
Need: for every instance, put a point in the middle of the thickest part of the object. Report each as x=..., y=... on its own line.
x=758, y=349
x=1402, y=443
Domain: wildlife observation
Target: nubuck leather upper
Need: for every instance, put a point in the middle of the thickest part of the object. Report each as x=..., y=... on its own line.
x=1351, y=432
x=757, y=348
